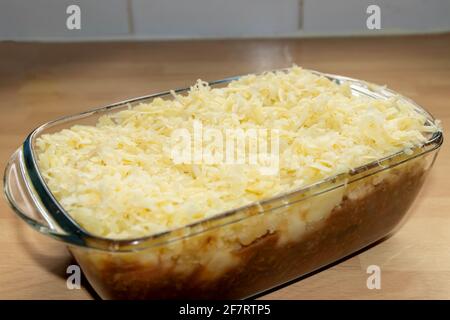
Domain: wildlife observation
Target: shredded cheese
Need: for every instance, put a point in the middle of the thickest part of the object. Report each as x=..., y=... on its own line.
x=117, y=178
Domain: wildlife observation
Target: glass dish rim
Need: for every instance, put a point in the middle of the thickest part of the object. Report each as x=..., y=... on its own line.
x=73, y=234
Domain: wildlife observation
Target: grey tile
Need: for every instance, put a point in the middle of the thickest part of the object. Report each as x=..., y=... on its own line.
x=46, y=19
x=349, y=16
x=214, y=18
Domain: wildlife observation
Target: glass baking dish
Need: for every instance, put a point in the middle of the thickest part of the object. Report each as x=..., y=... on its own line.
x=285, y=237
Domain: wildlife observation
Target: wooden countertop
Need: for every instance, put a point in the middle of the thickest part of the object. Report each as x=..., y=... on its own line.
x=39, y=82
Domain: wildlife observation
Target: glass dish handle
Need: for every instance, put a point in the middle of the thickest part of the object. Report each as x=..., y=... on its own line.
x=23, y=201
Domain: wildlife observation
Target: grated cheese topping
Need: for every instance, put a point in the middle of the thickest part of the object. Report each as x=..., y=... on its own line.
x=118, y=180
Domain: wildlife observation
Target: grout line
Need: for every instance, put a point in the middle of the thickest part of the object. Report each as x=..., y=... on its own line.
x=130, y=17
x=300, y=14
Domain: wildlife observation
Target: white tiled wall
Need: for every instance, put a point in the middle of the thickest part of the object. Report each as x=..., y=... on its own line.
x=155, y=19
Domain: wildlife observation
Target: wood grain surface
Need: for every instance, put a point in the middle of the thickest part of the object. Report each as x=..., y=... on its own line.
x=40, y=82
